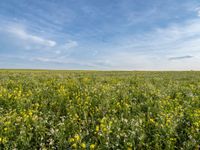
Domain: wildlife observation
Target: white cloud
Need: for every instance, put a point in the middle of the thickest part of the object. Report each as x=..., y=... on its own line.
x=132, y=61
x=57, y=52
x=70, y=44
x=27, y=42
x=42, y=59
x=62, y=60
x=64, y=48
x=22, y=34
x=173, y=39
x=19, y=36
x=67, y=47
x=198, y=11
x=152, y=50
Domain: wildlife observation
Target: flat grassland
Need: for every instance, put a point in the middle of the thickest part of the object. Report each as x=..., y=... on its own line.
x=41, y=109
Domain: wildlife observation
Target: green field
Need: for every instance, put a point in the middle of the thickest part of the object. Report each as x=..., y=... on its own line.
x=99, y=110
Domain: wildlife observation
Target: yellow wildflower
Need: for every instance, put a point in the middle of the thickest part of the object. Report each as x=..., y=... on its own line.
x=104, y=129
x=151, y=120
x=92, y=146
x=83, y=145
x=71, y=140
x=74, y=145
x=97, y=128
x=77, y=137
x=3, y=140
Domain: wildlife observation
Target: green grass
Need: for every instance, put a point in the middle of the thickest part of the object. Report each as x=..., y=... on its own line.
x=42, y=109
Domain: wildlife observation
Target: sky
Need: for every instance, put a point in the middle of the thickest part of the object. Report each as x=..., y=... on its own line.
x=100, y=34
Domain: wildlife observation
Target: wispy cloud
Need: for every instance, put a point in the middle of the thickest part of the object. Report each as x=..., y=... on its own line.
x=22, y=34
x=23, y=39
x=181, y=57
x=198, y=11
x=153, y=50
x=70, y=44
x=70, y=62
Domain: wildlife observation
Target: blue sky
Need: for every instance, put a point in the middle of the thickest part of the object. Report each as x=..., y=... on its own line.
x=100, y=34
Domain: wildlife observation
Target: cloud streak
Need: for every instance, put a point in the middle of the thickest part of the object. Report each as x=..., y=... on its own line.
x=70, y=44
x=181, y=57
x=22, y=34
x=197, y=10
x=24, y=40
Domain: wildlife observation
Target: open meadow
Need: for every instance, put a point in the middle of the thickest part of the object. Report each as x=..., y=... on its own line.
x=99, y=110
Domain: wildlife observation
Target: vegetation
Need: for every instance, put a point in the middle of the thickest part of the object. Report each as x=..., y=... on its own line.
x=99, y=110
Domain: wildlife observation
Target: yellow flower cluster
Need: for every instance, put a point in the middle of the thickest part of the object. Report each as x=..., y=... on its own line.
x=99, y=110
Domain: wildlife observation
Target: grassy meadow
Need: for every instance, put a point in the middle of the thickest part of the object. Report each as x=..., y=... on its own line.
x=99, y=110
